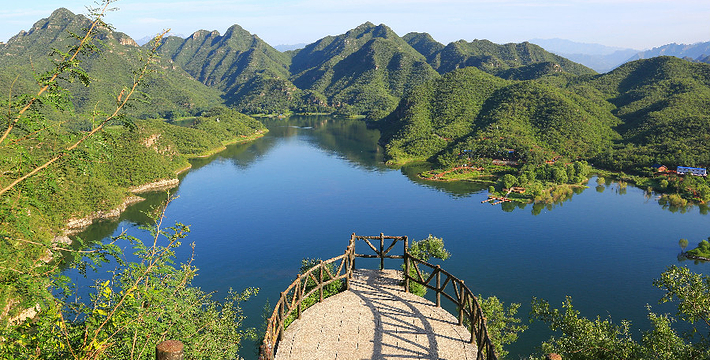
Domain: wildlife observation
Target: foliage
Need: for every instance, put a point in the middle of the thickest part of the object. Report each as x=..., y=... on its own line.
x=702, y=250
x=143, y=303
x=58, y=164
x=502, y=325
x=33, y=146
x=582, y=338
x=431, y=247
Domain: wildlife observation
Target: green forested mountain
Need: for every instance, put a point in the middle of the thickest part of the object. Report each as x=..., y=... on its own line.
x=174, y=91
x=424, y=43
x=644, y=112
x=470, y=110
x=253, y=76
x=664, y=106
x=494, y=59
x=364, y=71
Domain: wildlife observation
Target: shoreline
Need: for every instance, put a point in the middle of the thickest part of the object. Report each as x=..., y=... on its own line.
x=74, y=226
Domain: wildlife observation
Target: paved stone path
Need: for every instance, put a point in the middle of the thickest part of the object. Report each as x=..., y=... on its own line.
x=376, y=319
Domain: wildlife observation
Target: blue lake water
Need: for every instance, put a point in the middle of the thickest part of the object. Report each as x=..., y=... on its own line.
x=257, y=209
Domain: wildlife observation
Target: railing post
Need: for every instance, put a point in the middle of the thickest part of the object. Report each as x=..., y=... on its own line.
x=320, y=280
x=406, y=264
x=169, y=350
x=282, y=327
x=438, y=286
x=299, y=293
x=353, y=240
x=463, y=301
x=347, y=266
x=382, y=251
x=406, y=271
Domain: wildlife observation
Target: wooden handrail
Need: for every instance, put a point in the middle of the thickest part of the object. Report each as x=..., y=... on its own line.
x=290, y=301
x=466, y=303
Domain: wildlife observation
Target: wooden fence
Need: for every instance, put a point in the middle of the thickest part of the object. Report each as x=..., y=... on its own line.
x=291, y=301
x=469, y=310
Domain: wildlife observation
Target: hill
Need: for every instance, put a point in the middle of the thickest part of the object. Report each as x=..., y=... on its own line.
x=663, y=103
x=174, y=92
x=364, y=71
x=470, y=110
x=645, y=112
x=494, y=59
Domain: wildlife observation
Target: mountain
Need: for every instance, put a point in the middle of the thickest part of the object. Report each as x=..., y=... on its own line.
x=364, y=71
x=494, y=59
x=146, y=39
x=424, y=43
x=173, y=92
x=692, y=51
x=563, y=46
x=253, y=76
x=599, y=57
x=469, y=109
x=645, y=112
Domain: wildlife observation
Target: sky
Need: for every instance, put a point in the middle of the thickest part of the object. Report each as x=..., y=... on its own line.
x=636, y=24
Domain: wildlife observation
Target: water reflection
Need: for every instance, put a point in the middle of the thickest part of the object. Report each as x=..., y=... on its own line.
x=348, y=139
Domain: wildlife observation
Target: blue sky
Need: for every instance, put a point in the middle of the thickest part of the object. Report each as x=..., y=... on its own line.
x=638, y=24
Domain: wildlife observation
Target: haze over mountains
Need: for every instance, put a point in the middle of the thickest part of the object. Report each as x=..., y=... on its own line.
x=605, y=58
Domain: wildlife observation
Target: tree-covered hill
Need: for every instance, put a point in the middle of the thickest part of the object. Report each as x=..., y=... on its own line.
x=646, y=112
x=664, y=104
x=173, y=92
x=424, y=43
x=253, y=76
x=364, y=71
x=494, y=58
x=468, y=110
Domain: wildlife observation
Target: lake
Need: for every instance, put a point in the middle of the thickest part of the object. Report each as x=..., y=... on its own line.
x=256, y=210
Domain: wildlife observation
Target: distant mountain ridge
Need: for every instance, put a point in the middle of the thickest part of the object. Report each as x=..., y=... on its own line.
x=697, y=51
x=605, y=58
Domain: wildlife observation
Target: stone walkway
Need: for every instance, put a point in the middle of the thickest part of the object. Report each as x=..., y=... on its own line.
x=376, y=319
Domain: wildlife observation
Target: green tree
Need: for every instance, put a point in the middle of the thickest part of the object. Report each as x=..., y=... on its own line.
x=683, y=244
x=143, y=303
x=582, y=338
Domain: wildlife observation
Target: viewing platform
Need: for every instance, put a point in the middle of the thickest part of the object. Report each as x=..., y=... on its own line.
x=376, y=319
x=371, y=314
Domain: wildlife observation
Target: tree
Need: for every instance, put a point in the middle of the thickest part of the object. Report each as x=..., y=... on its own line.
x=33, y=145
x=582, y=338
x=683, y=244
x=143, y=302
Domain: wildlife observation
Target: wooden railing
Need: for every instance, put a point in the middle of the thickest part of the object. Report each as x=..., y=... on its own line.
x=291, y=301
x=469, y=310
